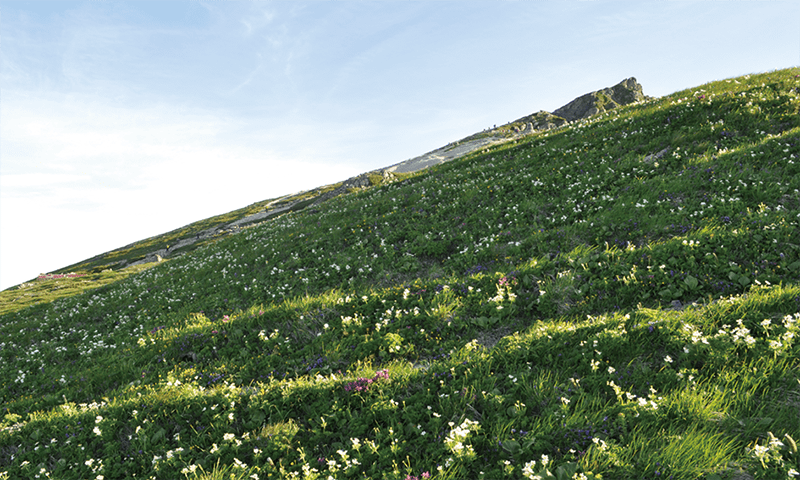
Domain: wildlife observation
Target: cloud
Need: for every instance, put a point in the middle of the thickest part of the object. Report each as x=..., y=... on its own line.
x=256, y=20
x=27, y=180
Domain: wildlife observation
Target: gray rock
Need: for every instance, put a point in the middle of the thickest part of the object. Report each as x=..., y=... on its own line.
x=626, y=92
x=442, y=155
x=655, y=156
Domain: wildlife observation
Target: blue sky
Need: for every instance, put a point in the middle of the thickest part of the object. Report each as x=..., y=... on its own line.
x=120, y=120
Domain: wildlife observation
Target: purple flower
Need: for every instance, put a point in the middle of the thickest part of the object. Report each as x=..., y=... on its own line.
x=362, y=384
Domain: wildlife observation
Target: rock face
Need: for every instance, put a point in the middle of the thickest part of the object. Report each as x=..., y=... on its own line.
x=539, y=121
x=441, y=155
x=360, y=181
x=625, y=92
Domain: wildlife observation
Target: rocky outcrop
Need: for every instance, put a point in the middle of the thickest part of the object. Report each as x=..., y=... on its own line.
x=442, y=155
x=626, y=92
x=361, y=181
x=623, y=93
x=538, y=122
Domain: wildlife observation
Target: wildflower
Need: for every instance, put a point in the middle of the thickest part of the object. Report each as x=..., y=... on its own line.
x=601, y=445
x=760, y=452
x=527, y=470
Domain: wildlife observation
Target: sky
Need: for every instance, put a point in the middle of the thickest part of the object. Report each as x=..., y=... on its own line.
x=120, y=120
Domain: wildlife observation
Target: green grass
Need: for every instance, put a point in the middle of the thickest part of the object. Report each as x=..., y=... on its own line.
x=119, y=258
x=566, y=305
x=47, y=290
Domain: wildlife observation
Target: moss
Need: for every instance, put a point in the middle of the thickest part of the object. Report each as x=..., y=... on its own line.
x=375, y=179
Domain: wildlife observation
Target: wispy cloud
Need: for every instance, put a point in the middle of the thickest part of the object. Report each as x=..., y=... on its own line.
x=256, y=19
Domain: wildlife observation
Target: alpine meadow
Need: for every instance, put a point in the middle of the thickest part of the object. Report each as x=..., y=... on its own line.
x=617, y=297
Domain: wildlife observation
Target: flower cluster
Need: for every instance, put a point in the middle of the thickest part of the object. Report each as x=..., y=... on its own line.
x=771, y=454
x=363, y=384
x=530, y=474
x=457, y=437
x=504, y=293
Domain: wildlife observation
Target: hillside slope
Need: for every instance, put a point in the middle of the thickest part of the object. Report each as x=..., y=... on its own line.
x=117, y=263
x=618, y=297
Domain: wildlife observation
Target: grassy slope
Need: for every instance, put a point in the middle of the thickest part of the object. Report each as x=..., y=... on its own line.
x=463, y=322
x=110, y=266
